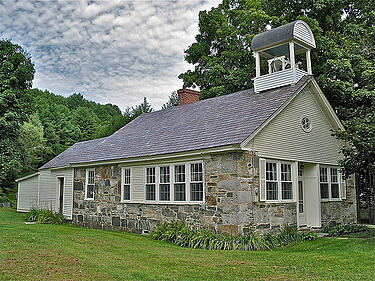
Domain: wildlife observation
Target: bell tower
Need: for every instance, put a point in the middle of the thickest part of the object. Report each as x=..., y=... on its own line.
x=281, y=47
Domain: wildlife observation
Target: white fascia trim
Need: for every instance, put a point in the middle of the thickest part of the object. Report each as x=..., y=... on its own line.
x=329, y=108
x=159, y=157
x=27, y=177
x=281, y=108
x=272, y=157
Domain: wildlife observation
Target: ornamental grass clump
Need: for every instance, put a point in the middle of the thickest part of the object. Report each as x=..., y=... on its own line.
x=177, y=232
x=44, y=216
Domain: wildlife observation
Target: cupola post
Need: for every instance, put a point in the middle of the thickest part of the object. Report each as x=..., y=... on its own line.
x=281, y=47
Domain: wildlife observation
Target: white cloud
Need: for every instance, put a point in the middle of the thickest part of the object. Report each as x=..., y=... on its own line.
x=111, y=51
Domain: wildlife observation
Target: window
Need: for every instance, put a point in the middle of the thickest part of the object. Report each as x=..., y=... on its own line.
x=196, y=182
x=324, y=193
x=126, y=185
x=300, y=197
x=271, y=181
x=306, y=124
x=180, y=185
x=165, y=187
x=279, y=183
x=329, y=183
x=90, y=184
x=286, y=182
x=150, y=184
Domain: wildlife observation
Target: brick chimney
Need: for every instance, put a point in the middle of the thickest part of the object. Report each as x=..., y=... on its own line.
x=187, y=96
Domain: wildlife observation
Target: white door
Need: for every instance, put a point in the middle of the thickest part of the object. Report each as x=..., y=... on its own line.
x=311, y=198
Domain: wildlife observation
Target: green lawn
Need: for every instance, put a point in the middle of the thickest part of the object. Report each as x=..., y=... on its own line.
x=34, y=252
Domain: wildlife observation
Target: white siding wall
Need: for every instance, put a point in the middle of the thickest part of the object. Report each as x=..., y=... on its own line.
x=47, y=190
x=278, y=79
x=27, y=194
x=68, y=175
x=49, y=193
x=283, y=137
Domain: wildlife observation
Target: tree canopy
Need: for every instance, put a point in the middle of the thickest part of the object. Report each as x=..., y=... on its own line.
x=343, y=63
x=16, y=75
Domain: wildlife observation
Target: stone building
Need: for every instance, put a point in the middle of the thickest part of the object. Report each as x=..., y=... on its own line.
x=254, y=160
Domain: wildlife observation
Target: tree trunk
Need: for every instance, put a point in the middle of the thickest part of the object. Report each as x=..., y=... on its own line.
x=371, y=206
x=357, y=195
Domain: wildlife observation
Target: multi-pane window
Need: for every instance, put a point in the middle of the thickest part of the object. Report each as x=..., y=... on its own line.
x=279, y=181
x=335, y=191
x=126, y=186
x=150, y=184
x=271, y=181
x=180, y=183
x=165, y=186
x=286, y=182
x=324, y=185
x=329, y=183
x=90, y=183
x=196, y=182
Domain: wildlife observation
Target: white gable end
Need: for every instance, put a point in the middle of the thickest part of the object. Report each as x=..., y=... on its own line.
x=284, y=138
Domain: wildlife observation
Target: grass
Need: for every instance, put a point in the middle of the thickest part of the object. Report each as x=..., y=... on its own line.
x=65, y=252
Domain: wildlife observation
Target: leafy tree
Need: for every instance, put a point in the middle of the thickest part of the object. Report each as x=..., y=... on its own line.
x=172, y=100
x=343, y=62
x=221, y=54
x=144, y=107
x=33, y=143
x=16, y=75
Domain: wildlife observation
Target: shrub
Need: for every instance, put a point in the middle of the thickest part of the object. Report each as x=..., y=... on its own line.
x=177, y=232
x=44, y=216
x=306, y=235
x=342, y=229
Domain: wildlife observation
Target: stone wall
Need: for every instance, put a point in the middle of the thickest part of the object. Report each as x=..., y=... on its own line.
x=341, y=212
x=231, y=184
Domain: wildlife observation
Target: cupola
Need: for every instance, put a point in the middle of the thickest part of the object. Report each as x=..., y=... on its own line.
x=282, y=47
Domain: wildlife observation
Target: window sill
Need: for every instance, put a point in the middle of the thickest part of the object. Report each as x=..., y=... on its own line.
x=89, y=199
x=279, y=202
x=331, y=200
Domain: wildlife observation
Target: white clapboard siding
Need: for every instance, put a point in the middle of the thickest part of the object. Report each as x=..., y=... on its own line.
x=278, y=79
x=68, y=191
x=47, y=190
x=302, y=33
x=283, y=137
x=137, y=193
x=27, y=194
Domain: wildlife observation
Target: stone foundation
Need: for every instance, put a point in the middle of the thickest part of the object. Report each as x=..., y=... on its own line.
x=231, y=202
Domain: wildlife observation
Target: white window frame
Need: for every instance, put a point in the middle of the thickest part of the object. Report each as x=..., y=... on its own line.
x=156, y=183
x=196, y=182
x=165, y=183
x=330, y=183
x=279, y=182
x=87, y=183
x=172, y=182
x=123, y=184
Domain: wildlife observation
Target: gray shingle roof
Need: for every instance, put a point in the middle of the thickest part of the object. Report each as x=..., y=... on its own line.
x=224, y=120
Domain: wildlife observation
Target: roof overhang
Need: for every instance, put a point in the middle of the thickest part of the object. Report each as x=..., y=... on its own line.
x=27, y=177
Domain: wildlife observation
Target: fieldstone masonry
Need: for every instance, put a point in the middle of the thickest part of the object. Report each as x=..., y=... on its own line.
x=231, y=202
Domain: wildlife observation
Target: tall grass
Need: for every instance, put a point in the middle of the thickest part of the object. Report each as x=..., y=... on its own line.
x=177, y=232
x=44, y=216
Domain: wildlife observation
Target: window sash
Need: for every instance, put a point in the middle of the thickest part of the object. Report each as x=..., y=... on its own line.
x=165, y=192
x=329, y=183
x=179, y=192
x=150, y=192
x=279, y=181
x=126, y=192
x=90, y=184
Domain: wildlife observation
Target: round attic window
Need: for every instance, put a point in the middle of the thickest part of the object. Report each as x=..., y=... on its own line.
x=306, y=123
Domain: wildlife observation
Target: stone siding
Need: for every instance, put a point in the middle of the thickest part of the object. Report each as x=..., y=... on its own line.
x=231, y=201
x=341, y=212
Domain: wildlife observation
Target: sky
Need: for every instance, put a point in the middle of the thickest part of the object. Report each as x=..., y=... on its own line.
x=110, y=51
